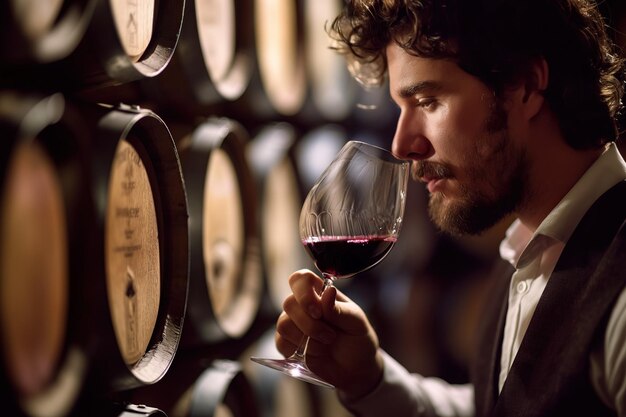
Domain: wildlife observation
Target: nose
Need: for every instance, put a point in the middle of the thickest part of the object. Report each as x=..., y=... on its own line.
x=409, y=141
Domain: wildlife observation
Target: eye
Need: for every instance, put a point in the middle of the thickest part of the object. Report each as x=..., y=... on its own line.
x=428, y=103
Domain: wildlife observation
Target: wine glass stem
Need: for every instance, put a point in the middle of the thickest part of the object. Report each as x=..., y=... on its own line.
x=300, y=353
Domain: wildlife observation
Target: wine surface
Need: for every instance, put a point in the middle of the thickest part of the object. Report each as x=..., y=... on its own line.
x=344, y=256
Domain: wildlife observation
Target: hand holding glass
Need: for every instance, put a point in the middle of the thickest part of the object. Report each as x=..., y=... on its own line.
x=349, y=222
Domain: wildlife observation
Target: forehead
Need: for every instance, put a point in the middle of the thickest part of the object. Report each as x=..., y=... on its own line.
x=409, y=74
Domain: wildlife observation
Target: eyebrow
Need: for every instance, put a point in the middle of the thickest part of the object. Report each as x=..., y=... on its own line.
x=417, y=88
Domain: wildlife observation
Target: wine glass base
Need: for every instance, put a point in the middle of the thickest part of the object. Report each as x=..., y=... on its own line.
x=294, y=368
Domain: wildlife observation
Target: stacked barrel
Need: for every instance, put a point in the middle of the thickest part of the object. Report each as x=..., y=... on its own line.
x=152, y=169
x=154, y=156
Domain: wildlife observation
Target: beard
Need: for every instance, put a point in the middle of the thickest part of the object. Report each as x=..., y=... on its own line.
x=497, y=182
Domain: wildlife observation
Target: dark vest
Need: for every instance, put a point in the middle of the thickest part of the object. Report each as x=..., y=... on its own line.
x=550, y=373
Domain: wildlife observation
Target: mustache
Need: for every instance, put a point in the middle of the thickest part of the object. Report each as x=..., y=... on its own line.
x=433, y=170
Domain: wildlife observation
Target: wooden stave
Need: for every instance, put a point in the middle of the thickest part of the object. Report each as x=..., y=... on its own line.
x=110, y=373
x=186, y=80
x=54, y=123
x=116, y=66
x=299, y=63
x=99, y=63
x=203, y=328
x=256, y=99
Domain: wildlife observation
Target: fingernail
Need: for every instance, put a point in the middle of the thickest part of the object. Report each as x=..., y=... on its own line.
x=315, y=312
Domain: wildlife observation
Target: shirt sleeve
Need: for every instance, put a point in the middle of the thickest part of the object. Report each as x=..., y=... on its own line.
x=608, y=363
x=401, y=393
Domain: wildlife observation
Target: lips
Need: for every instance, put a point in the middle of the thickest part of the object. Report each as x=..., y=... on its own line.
x=432, y=174
x=432, y=183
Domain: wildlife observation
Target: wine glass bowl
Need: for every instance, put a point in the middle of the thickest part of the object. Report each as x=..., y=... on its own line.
x=351, y=217
x=349, y=222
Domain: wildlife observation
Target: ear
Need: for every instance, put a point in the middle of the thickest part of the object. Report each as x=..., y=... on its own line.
x=535, y=84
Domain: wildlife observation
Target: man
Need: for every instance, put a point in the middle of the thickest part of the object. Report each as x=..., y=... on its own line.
x=506, y=106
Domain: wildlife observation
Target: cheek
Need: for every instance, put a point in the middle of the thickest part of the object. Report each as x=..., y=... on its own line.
x=457, y=127
x=494, y=164
x=444, y=130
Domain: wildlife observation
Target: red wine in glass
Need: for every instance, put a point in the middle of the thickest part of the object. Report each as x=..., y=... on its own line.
x=349, y=222
x=344, y=256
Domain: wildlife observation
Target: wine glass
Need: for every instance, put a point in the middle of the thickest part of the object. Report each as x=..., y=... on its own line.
x=349, y=222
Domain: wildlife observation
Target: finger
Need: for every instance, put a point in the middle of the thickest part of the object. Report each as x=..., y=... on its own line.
x=314, y=348
x=306, y=287
x=314, y=328
x=343, y=313
x=287, y=329
x=284, y=346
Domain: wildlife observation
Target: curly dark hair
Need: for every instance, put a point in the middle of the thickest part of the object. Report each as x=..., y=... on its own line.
x=496, y=41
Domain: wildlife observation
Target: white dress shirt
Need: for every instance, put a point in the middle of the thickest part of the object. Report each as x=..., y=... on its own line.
x=534, y=256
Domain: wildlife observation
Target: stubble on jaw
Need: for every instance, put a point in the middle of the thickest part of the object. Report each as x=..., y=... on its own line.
x=502, y=172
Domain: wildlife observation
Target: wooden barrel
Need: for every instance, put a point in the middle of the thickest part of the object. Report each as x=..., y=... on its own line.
x=225, y=283
x=132, y=39
x=222, y=390
x=41, y=31
x=281, y=60
x=278, y=86
x=125, y=41
x=134, y=22
x=43, y=350
x=271, y=155
x=333, y=90
x=213, y=61
x=142, y=239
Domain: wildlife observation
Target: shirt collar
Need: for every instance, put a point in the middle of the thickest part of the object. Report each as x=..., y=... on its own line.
x=520, y=245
